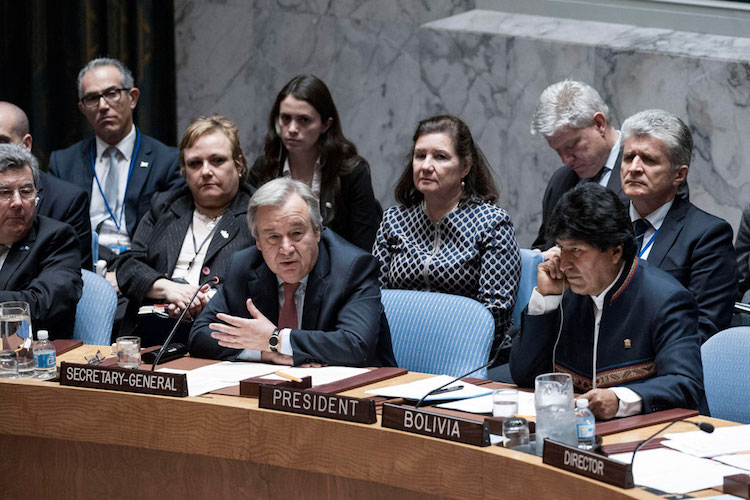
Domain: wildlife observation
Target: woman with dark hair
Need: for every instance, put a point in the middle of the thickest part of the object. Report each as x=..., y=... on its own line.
x=189, y=234
x=447, y=235
x=305, y=141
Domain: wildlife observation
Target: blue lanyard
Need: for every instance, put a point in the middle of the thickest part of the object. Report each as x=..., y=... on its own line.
x=650, y=242
x=116, y=220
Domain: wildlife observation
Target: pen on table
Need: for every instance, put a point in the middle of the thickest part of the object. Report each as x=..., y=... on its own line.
x=287, y=376
x=449, y=389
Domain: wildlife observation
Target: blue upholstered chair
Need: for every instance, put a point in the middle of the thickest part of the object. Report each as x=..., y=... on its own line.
x=95, y=312
x=529, y=260
x=438, y=333
x=726, y=374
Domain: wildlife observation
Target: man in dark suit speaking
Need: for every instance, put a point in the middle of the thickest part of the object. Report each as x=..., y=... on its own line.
x=39, y=258
x=120, y=168
x=301, y=296
x=673, y=234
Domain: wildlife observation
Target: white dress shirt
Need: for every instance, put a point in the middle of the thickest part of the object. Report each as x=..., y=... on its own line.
x=109, y=235
x=630, y=403
x=656, y=219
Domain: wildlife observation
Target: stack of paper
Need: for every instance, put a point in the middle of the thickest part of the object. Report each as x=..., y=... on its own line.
x=417, y=390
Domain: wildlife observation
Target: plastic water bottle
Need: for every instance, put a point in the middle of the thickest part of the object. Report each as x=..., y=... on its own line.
x=585, y=422
x=45, y=356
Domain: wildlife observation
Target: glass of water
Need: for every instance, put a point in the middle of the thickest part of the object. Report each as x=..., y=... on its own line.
x=16, y=336
x=8, y=364
x=555, y=415
x=504, y=403
x=129, y=352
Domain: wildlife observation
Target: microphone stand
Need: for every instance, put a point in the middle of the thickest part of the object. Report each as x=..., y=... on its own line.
x=179, y=320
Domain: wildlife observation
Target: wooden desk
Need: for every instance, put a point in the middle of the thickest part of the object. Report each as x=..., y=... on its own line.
x=68, y=442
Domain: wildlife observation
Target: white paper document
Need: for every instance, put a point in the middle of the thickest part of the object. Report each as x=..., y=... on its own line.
x=674, y=472
x=741, y=461
x=198, y=384
x=229, y=371
x=417, y=390
x=483, y=404
x=722, y=441
x=320, y=376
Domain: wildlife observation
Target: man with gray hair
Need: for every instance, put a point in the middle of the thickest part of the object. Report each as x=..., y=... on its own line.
x=673, y=234
x=574, y=120
x=301, y=296
x=119, y=167
x=39, y=258
x=57, y=199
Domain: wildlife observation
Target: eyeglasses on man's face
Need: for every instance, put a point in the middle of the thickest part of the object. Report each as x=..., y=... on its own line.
x=27, y=192
x=91, y=101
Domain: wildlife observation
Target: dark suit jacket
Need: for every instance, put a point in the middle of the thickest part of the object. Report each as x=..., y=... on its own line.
x=696, y=248
x=44, y=270
x=343, y=321
x=354, y=214
x=159, y=173
x=563, y=180
x=742, y=246
x=67, y=203
x=159, y=237
x=647, y=341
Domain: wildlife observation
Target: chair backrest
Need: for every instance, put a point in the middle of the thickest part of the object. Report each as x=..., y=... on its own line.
x=529, y=260
x=726, y=376
x=438, y=333
x=95, y=312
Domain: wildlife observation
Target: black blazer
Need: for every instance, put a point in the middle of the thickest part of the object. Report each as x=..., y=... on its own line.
x=44, y=270
x=354, y=214
x=343, y=321
x=696, y=248
x=67, y=203
x=155, y=170
x=159, y=237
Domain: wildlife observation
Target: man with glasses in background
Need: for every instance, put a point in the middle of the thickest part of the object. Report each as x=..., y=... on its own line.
x=120, y=167
x=40, y=262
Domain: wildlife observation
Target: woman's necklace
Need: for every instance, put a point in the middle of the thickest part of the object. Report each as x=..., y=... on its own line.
x=212, y=220
x=211, y=226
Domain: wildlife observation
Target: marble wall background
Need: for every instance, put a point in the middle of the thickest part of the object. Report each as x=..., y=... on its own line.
x=391, y=63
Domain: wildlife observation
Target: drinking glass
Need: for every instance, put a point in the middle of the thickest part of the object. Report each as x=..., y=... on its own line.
x=8, y=364
x=15, y=332
x=516, y=431
x=504, y=403
x=555, y=415
x=129, y=352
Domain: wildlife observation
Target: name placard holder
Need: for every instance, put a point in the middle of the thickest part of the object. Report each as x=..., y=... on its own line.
x=115, y=378
x=586, y=463
x=427, y=423
x=250, y=387
x=318, y=404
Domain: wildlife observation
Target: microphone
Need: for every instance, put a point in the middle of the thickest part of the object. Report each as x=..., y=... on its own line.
x=489, y=363
x=704, y=426
x=215, y=281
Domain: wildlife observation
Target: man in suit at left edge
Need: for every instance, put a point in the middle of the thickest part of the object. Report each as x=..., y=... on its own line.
x=57, y=199
x=119, y=167
x=39, y=257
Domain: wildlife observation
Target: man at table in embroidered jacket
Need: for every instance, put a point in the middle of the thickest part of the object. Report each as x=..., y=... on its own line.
x=322, y=292
x=629, y=331
x=40, y=262
x=673, y=234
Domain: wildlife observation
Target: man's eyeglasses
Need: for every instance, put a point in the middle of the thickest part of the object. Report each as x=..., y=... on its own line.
x=26, y=192
x=91, y=101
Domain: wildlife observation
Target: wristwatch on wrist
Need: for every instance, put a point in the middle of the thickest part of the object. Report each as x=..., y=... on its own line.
x=274, y=340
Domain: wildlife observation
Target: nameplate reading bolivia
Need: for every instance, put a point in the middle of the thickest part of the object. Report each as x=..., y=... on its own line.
x=123, y=379
x=435, y=424
x=587, y=464
x=318, y=404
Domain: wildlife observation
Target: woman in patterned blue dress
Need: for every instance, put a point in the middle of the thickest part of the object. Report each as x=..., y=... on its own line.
x=447, y=235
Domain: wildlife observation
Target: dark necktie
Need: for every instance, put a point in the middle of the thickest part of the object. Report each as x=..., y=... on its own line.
x=599, y=175
x=640, y=227
x=288, y=313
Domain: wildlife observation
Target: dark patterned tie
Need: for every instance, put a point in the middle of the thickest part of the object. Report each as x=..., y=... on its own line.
x=640, y=227
x=599, y=175
x=288, y=313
